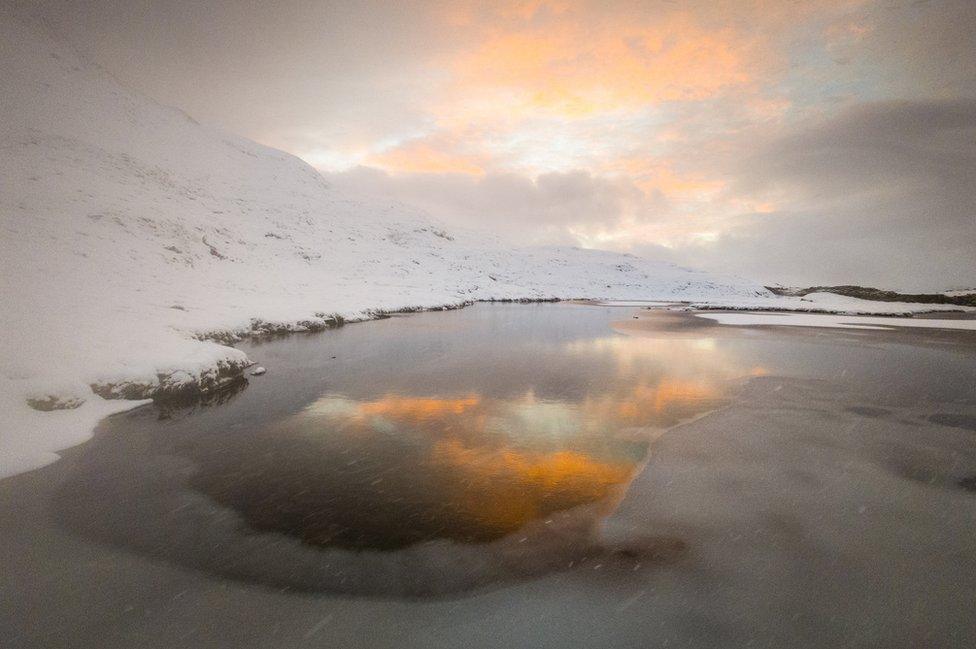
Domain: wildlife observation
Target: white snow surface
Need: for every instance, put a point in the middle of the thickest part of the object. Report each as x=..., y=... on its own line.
x=129, y=233
x=827, y=303
x=835, y=321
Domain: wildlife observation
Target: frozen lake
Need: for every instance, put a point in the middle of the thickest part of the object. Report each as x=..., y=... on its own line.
x=554, y=475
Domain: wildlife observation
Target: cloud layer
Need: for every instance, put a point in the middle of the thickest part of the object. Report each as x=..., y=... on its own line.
x=882, y=194
x=815, y=142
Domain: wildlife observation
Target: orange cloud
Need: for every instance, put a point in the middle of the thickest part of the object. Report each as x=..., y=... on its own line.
x=572, y=67
x=427, y=156
x=658, y=175
x=528, y=76
x=648, y=94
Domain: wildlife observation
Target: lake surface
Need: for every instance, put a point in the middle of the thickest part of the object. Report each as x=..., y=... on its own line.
x=696, y=483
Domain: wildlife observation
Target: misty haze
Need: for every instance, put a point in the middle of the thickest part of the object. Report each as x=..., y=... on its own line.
x=546, y=323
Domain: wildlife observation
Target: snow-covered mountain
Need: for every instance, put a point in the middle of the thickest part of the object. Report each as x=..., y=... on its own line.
x=129, y=231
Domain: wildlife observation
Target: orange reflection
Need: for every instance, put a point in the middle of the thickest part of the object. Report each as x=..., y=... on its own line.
x=673, y=392
x=501, y=462
x=506, y=488
x=416, y=408
x=638, y=405
x=650, y=405
x=509, y=461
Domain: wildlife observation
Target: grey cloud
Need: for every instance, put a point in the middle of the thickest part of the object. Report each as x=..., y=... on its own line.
x=291, y=73
x=925, y=142
x=881, y=194
x=884, y=194
x=539, y=210
x=929, y=43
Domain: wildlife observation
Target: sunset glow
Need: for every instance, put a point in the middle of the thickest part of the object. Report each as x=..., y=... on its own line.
x=714, y=134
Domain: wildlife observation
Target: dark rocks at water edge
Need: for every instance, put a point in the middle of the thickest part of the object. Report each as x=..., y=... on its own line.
x=878, y=295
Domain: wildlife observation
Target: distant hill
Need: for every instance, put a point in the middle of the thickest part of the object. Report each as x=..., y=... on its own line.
x=867, y=293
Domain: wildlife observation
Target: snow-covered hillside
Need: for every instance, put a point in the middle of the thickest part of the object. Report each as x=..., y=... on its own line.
x=129, y=232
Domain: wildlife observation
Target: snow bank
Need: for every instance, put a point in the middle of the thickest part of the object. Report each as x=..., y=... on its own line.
x=835, y=321
x=30, y=438
x=826, y=303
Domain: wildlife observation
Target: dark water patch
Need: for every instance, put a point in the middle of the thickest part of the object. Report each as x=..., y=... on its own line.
x=944, y=468
x=954, y=420
x=362, y=498
x=136, y=496
x=868, y=411
x=399, y=474
x=441, y=453
x=968, y=483
x=390, y=473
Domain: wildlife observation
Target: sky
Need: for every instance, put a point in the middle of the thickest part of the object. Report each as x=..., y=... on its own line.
x=801, y=143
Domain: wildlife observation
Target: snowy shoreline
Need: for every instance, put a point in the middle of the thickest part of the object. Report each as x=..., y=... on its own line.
x=61, y=419
x=211, y=378
x=796, y=305
x=833, y=320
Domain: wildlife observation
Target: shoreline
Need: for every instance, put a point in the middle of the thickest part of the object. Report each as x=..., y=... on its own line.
x=67, y=418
